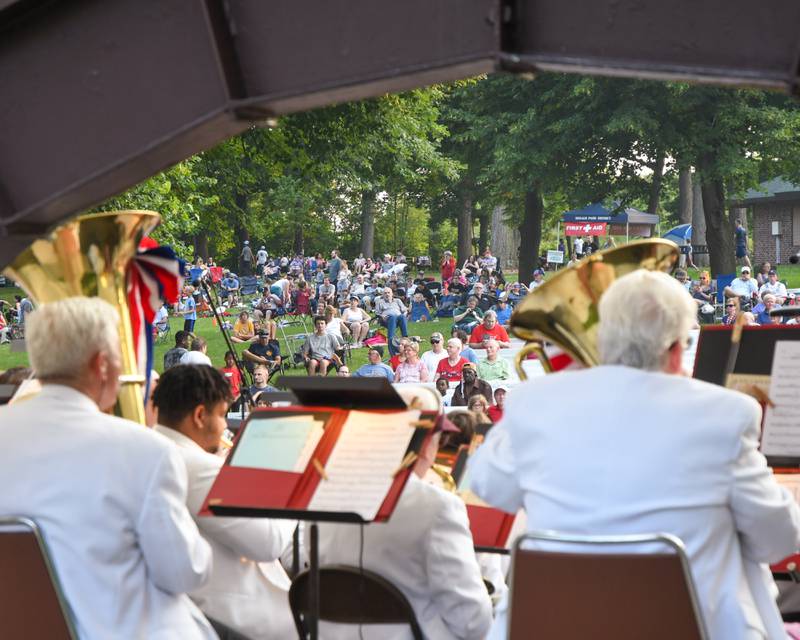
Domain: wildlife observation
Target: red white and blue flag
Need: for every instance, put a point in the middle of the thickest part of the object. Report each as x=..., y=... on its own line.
x=155, y=276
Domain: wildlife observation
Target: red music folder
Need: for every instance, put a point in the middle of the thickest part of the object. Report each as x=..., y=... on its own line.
x=319, y=463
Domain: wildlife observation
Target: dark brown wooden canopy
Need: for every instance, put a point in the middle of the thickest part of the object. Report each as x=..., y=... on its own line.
x=97, y=95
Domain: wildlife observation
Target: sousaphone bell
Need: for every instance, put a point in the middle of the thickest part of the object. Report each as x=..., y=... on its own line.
x=563, y=311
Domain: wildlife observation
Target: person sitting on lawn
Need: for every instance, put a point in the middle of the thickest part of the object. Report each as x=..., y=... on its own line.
x=419, y=308
x=469, y=386
x=357, y=320
x=320, y=349
x=392, y=312
x=469, y=316
x=243, y=330
x=489, y=329
x=452, y=366
x=261, y=381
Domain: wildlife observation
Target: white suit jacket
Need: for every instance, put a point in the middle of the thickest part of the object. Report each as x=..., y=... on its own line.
x=109, y=496
x=248, y=590
x=657, y=453
x=426, y=551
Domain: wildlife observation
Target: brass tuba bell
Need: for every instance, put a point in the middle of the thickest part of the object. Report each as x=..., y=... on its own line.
x=88, y=256
x=563, y=310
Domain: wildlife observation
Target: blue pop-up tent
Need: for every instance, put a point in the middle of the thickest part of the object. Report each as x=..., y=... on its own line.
x=680, y=234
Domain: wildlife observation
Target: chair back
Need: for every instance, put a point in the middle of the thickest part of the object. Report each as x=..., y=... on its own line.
x=722, y=282
x=31, y=603
x=350, y=595
x=592, y=587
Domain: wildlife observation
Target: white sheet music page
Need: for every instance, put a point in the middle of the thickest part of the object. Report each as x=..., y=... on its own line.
x=782, y=422
x=369, y=450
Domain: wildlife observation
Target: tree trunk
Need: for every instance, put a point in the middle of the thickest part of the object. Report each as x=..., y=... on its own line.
x=483, y=233
x=530, y=234
x=685, y=196
x=698, y=222
x=719, y=227
x=298, y=245
x=201, y=245
x=368, y=223
x=655, y=186
x=505, y=240
x=465, y=229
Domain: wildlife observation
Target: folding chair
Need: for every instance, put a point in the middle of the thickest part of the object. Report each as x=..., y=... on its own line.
x=719, y=286
x=599, y=591
x=32, y=605
x=350, y=595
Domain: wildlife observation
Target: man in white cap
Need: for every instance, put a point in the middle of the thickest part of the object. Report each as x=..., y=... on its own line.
x=261, y=258
x=742, y=287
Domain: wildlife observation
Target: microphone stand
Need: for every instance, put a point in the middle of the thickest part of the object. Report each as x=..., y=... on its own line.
x=244, y=391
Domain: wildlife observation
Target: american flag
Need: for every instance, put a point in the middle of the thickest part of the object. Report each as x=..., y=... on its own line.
x=155, y=276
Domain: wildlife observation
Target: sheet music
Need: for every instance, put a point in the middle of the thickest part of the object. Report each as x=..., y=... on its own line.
x=311, y=443
x=274, y=443
x=369, y=450
x=782, y=422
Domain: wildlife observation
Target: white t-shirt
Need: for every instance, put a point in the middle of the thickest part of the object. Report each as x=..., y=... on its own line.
x=578, y=245
x=353, y=315
x=777, y=289
x=744, y=287
x=261, y=257
x=334, y=327
x=431, y=360
x=195, y=357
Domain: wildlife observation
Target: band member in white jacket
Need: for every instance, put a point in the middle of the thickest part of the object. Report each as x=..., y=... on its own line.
x=426, y=551
x=249, y=589
x=661, y=452
x=108, y=494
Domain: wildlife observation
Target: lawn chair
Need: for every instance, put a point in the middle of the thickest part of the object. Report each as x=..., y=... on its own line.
x=294, y=340
x=719, y=286
x=248, y=286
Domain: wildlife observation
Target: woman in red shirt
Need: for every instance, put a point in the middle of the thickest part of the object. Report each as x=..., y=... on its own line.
x=232, y=375
x=447, y=267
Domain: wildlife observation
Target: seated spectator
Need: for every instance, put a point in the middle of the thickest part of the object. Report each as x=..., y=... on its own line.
x=466, y=352
x=486, y=300
x=302, y=301
x=442, y=386
x=702, y=291
x=334, y=324
x=413, y=369
x=392, y=313
x=231, y=373
x=742, y=287
x=762, y=277
x=248, y=590
x=774, y=287
x=343, y=372
x=682, y=277
x=268, y=303
x=470, y=266
x=4, y=328
x=160, y=320
x=375, y=368
x=431, y=358
x=495, y=412
x=419, y=308
x=489, y=329
x=469, y=386
x=770, y=303
x=452, y=366
x=468, y=317
x=458, y=285
x=197, y=354
x=356, y=320
x=229, y=288
x=488, y=261
x=173, y=356
x=731, y=311
x=243, y=330
x=263, y=351
x=749, y=319
x=478, y=406
x=493, y=367
x=515, y=294
x=400, y=356
x=503, y=311
x=326, y=294
x=538, y=280
x=266, y=324
x=261, y=376
x=320, y=349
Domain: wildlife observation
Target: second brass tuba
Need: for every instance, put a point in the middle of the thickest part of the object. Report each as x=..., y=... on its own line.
x=563, y=310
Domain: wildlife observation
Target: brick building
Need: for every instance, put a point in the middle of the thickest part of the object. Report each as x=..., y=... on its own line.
x=775, y=208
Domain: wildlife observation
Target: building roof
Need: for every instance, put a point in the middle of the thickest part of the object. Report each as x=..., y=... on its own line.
x=772, y=190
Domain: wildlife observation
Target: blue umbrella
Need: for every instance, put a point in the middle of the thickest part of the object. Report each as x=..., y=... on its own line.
x=680, y=234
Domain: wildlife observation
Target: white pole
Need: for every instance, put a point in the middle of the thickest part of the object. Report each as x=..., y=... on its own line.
x=627, y=231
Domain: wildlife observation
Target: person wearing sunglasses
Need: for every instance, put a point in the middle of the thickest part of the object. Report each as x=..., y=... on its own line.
x=731, y=309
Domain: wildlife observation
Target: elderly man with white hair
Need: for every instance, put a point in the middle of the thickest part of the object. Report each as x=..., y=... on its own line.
x=651, y=459
x=108, y=494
